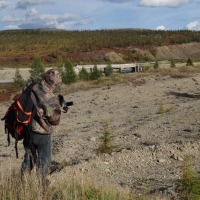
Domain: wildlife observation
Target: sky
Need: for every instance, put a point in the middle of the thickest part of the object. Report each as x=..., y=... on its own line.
x=100, y=14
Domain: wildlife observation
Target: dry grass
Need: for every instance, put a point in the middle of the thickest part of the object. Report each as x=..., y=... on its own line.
x=71, y=188
x=135, y=79
x=182, y=71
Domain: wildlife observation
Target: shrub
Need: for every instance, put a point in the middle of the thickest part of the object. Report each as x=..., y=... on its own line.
x=84, y=74
x=156, y=65
x=108, y=70
x=96, y=74
x=188, y=187
x=172, y=64
x=37, y=69
x=106, y=140
x=189, y=62
x=68, y=74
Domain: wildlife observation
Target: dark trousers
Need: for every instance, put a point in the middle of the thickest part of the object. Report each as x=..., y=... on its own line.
x=42, y=144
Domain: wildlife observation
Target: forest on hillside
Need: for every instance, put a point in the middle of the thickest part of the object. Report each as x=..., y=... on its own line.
x=29, y=40
x=19, y=45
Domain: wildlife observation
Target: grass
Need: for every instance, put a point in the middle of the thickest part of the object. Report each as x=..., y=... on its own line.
x=12, y=188
x=165, y=109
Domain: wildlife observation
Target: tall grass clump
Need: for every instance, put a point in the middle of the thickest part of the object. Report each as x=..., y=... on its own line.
x=188, y=186
x=12, y=187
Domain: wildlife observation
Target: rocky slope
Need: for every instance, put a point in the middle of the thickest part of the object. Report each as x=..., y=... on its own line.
x=155, y=124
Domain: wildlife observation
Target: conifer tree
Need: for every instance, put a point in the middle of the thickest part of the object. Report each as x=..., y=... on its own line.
x=108, y=70
x=84, y=74
x=69, y=75
x=96, y=74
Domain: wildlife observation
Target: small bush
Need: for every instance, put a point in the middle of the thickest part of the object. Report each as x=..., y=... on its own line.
x=189, y=62
x=106, y=140
x=188, y=187
x=172, y=64
x=156, y=65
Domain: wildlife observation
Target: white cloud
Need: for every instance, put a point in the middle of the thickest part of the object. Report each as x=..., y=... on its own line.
x=31, y=13
x=163, y=3
x=24, y=4
x=3, y=4
x=160, y=27
x=193, y=26
x=65, y=21
x=11, y=27
x=10, y=19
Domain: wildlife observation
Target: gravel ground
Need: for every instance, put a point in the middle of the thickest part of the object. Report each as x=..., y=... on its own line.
x=155, y=125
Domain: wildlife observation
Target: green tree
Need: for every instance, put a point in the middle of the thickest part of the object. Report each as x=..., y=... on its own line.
x=96, y=73
x=106, y=141
x=18, y=80
x=189, y=62
x=69, y=75
x=84, y=74
x=37, y=69
x=108, y=70
x=172, y=64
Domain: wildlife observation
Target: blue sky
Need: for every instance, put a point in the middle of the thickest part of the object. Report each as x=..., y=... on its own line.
x=100, y=14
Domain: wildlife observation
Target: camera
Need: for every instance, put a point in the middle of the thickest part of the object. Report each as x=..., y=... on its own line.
x=64, y=104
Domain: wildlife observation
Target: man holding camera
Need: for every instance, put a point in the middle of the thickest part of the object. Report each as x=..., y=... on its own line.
x=48, y=112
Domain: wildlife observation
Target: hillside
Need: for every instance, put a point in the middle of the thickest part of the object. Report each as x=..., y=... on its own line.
x=101, y=46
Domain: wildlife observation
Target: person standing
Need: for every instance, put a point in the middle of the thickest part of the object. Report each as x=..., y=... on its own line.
x=48, y=113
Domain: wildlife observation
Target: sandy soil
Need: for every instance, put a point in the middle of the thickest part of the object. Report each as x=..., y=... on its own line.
x=155, y=125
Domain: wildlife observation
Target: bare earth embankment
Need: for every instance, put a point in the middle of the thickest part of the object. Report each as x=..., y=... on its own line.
x=155, y=124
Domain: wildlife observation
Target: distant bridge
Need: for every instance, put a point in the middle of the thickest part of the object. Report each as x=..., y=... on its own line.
x=126, y=68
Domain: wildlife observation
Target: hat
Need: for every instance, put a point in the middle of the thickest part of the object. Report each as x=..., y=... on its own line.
x=52, y=77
